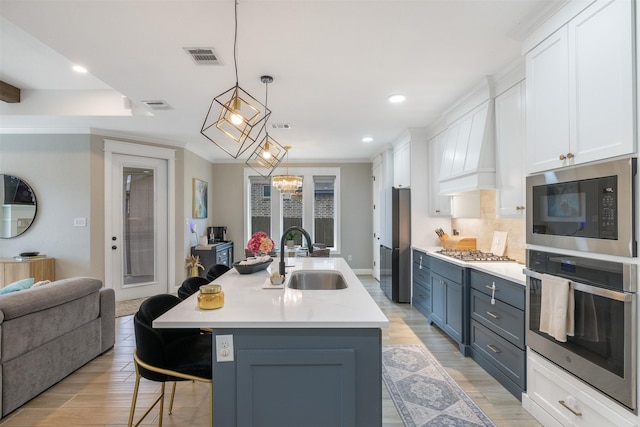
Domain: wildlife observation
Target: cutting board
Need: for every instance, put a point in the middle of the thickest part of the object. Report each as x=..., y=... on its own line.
x=459, y=242
x=499, y=242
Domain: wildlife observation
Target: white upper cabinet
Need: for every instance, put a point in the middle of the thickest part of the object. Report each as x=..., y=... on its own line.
x=402, y=166
x=580, y=89
x=510, y=157
x=439, y=206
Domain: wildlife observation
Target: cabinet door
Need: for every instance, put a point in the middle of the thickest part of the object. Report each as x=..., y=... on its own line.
x=438, y=299
x=438, y=205
x=601, y=80
x=402, y=166
x=510, y=140
x=454, y=317
x=547, y=95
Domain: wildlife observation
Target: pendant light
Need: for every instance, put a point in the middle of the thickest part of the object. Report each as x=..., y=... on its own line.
x=235, y=119
x=287, y=184
x=269, y=153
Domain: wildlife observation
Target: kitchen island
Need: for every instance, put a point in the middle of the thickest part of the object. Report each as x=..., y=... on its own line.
x=298, y=357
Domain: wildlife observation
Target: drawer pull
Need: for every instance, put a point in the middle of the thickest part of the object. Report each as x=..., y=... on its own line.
x=493, y=348
x=573, y=411
x=495, y=316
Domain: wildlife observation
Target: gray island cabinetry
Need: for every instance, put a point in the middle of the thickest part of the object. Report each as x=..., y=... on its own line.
x=292, y=357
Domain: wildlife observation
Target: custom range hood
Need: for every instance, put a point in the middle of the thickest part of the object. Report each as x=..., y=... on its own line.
x=468, y=152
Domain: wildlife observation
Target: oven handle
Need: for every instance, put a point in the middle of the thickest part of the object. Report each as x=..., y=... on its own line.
x=594, y=290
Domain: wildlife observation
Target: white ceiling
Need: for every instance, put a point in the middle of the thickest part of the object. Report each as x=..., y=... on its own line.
x=334, y=63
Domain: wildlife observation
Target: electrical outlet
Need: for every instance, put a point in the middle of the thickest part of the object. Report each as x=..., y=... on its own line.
x=224, y=348
x=80, y=222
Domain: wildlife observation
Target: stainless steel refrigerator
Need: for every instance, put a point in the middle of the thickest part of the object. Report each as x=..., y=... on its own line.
x=395, y=261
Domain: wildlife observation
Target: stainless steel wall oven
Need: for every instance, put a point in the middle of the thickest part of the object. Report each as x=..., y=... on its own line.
x=603, y=350
x=586, y=208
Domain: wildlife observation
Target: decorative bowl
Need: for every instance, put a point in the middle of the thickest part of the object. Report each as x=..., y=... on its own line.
x=251, y=268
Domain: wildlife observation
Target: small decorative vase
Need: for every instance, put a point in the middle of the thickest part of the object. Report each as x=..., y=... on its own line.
x=290, y=243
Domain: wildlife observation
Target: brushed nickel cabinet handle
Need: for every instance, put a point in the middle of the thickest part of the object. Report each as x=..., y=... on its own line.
x=493, y=348
x=495, y=316
x=574, y=412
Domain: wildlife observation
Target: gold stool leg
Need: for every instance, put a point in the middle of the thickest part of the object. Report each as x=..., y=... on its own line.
x=173, y=393
x=134, y=399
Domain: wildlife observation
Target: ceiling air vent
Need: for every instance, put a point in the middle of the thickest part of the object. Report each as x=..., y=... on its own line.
x=157, y=105
x=280, y=126
x=203, y=55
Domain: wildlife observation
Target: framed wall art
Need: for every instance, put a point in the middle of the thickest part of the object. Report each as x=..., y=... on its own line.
x=200, y=198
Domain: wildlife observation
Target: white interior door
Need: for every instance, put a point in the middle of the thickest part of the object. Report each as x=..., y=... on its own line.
x=139, y=226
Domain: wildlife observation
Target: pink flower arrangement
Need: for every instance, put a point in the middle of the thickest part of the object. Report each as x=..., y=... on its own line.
x=260, y=242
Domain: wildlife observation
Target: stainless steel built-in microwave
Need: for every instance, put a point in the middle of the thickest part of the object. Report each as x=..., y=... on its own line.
x=590, y=208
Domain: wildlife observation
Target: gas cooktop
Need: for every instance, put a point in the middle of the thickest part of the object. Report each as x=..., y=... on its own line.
x=473, y=255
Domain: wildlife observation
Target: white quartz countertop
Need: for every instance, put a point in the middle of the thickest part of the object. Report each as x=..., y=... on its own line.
x=248, y=305
x=506, y=270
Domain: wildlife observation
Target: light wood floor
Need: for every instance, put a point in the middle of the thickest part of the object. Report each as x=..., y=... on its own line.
x=99, y=394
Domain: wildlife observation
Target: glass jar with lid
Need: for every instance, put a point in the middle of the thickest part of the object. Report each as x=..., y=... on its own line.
x=210, y=297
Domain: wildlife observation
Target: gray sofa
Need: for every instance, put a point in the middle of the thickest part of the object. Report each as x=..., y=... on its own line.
x=47, y=332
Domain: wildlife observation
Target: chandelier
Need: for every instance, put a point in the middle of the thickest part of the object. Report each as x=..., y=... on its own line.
x=287, y=184
x=235, y=119
x=268, y=154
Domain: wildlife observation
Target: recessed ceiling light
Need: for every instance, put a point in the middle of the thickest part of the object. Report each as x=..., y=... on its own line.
x=367, y=139
x=397, y=97
x=79, y=69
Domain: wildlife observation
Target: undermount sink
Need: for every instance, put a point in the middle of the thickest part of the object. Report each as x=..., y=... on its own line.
x=317, y=280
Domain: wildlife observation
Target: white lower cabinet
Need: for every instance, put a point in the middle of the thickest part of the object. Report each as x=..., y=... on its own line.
x=556, y=398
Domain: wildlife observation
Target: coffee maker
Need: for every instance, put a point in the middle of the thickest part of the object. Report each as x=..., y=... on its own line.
x=217, y=234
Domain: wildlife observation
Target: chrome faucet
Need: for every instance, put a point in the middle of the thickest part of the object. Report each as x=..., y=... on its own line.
x=282, y=239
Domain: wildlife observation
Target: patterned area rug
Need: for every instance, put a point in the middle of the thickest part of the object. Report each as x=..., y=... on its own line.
x=128, y=307
x=423, y=392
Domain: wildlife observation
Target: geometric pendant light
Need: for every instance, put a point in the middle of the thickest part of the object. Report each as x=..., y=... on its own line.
x=235, y=119
x=268, y=153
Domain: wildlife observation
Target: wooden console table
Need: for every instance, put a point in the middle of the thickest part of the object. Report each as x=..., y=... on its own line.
x=12, y=270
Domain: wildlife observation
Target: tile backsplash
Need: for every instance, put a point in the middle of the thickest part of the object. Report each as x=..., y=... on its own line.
x=482, y=228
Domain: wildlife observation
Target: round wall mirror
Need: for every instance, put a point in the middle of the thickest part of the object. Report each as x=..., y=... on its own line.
x=18, y=208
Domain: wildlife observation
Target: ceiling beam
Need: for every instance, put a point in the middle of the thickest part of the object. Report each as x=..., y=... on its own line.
x=8, y=93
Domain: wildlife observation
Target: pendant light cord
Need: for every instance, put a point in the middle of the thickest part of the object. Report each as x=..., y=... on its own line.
x=235, y=40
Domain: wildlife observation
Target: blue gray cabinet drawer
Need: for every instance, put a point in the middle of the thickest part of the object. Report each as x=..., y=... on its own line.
x=448, y=270
x=501, y=318
x=421, y=299
x=421, y=259
x=506, y=357
x=421, y=275
x=506, y=291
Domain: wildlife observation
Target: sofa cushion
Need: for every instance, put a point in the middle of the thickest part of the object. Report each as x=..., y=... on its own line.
x=18, y=304
x=17, y=286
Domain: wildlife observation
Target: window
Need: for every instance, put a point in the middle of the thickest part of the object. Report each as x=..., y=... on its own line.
x=324, y=212
x=314, y=206
x=260, y=205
